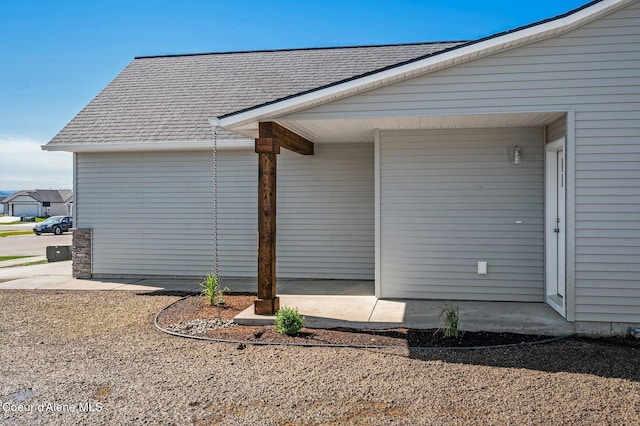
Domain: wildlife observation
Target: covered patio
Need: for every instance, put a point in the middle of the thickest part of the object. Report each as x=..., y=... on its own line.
x=485, y=209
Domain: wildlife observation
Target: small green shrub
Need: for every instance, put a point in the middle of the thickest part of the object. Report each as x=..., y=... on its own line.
x=449, y=315
x=289, y=321
x=212, y=289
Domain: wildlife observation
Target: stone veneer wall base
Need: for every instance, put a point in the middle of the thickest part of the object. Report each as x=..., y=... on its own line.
x=81, y=253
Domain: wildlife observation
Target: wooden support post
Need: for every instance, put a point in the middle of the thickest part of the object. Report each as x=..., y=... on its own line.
x=267, y=303
x=272, y=136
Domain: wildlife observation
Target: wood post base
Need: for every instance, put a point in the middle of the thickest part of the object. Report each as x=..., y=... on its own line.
x=266, y=306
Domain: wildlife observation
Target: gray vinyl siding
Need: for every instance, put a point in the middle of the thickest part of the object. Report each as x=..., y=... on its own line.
x=326, y=211
x=451, y=198
x=593, y=71
x=557, y=129
x=152, y=213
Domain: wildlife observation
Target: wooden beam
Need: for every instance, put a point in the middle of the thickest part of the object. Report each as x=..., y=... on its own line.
x=272, y=136
x=267, y=303
x=285, y=138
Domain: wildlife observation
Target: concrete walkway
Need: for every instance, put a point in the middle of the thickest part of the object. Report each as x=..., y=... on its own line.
x=350, y=303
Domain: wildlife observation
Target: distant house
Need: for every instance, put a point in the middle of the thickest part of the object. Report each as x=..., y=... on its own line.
x=39, y=202
x=500, y=169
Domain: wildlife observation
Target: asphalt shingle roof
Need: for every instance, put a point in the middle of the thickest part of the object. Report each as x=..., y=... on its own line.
x=43, y=195
x=171, y=98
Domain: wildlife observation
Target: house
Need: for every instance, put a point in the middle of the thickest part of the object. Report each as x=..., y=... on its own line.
x=39, y=202
x=4, y=208
x=501, y=169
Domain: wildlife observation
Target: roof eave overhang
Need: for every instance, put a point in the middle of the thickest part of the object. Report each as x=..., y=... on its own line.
x=151, y=146
x=245, y=122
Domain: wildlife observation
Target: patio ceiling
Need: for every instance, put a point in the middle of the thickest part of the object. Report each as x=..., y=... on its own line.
x=336, y=130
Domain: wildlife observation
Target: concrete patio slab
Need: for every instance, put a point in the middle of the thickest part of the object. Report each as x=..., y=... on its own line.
x=61, y=282
x=371, y=313
x=320, y=311
x=147, y=288
x=155, y=284
x=514, y=317
x=407, y=313
x=45, y=269
x=517, y=317
x=74, y=284
x=32, y=283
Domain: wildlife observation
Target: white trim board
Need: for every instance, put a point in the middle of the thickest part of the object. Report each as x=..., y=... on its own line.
x=570, y=213
x=377, y=222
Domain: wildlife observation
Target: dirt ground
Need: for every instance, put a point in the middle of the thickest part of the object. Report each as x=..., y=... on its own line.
x=96, y=358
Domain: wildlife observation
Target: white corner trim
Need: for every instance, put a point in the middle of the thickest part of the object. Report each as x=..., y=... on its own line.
x=152, y=146
x=438, y=61
x=74, y=208
x=377, y=216
x=570, y=214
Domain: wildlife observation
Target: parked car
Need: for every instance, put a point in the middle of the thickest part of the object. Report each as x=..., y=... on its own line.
x=55, y=224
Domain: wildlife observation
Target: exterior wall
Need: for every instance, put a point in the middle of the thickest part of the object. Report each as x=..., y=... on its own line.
x=557, y=130
x=326, y=213
x=123, y=198
x=594, y=72
x=152, y=213
x=451, y=198
x=24, y=206
x=57, y=209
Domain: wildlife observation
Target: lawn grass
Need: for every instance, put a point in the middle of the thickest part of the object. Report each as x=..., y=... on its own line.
x=3, y=258
x=37, y=262
x=13, y=233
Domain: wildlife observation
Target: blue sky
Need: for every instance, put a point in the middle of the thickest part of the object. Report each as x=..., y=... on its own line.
x=55, y=56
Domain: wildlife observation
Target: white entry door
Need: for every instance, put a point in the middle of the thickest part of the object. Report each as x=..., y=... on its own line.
x=560, y=225
x=555, y=228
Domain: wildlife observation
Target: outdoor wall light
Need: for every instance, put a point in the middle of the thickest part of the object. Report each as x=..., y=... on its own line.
x=515, y=154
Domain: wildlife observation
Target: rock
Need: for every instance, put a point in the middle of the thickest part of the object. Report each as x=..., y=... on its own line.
x=199, y=326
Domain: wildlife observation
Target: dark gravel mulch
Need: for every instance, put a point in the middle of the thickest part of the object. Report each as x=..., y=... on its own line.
x=195, y=307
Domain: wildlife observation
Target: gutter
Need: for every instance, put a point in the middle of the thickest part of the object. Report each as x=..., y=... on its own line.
x=151, y=146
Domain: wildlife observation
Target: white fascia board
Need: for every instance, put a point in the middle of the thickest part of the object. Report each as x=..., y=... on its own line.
x=413, y=69
x=152, y=146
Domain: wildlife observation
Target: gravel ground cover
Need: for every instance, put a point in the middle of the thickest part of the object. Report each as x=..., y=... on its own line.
x=96, y=358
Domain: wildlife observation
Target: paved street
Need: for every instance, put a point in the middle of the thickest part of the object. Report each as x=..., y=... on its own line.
x=30, y=245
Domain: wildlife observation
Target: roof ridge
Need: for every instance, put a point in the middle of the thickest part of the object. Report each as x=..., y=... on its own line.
x=236, y=52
